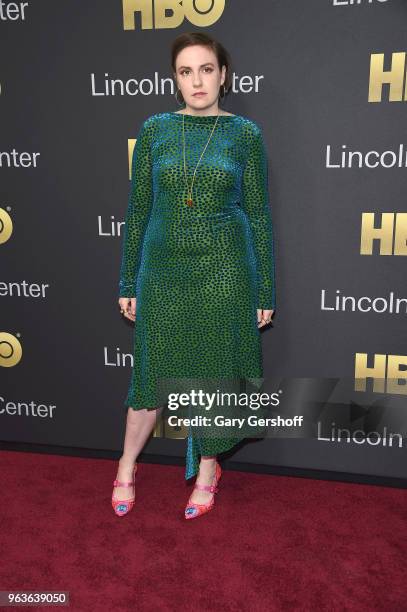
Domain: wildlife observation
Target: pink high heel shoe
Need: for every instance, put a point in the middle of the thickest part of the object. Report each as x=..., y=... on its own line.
x=194, y=510
x=123, y=506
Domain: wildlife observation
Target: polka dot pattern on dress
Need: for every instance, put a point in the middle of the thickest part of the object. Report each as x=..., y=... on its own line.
x=199, y=272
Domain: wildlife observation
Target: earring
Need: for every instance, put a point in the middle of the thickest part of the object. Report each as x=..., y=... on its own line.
x=224, y=92
x=179, y=103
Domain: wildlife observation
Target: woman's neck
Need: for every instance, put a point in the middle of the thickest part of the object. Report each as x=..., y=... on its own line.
x=217, y=111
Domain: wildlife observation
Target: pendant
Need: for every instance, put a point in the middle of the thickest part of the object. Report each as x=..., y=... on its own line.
x=189, y=202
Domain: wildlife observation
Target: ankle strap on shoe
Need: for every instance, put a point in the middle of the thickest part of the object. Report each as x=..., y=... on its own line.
x=211, y=488
x=117, y=483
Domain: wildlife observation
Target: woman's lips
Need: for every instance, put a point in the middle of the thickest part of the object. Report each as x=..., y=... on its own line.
x=198, y=95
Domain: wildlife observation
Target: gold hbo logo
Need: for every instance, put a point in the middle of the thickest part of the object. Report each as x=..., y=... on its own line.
x=10, y=350
x=391, y=234
x=131, y=143
x=6, y=226
x=395, y=77
x=388, y=373
x=160, y=14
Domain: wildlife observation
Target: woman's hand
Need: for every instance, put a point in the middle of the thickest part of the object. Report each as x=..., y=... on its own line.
x=264, y=317
x=128, y=307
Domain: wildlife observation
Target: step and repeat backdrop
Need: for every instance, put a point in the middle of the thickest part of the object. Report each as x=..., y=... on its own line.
x=326, y=82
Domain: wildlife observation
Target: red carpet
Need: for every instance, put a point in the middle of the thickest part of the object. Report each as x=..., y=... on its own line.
x=290, y=544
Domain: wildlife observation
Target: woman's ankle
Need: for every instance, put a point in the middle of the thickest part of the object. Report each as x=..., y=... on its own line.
x=127, y=462
x=207, y=466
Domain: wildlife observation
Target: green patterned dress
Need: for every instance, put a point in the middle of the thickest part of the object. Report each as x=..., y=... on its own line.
x=198, y=272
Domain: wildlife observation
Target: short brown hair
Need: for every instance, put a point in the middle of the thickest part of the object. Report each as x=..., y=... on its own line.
x=187, y=39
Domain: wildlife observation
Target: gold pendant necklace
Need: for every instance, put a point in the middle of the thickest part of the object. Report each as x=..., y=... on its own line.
x=189, y=201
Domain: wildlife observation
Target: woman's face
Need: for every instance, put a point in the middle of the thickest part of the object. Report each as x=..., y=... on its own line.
x=197, y=70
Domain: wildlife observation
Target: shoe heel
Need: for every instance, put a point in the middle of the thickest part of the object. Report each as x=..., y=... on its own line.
x=123, y=506
x=193, y=510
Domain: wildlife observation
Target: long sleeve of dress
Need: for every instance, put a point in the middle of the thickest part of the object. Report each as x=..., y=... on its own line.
x=256, y=206
x=138, y=209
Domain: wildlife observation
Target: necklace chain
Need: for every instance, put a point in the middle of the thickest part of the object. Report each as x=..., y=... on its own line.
x=189, y=200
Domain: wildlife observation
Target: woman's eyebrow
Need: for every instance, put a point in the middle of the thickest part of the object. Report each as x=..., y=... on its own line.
x=206, y=64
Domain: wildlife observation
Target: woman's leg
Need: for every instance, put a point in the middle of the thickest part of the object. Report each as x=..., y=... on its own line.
x=205, y=476
x=139, y=425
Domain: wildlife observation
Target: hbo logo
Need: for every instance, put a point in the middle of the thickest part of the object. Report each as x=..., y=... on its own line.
x=154, y=14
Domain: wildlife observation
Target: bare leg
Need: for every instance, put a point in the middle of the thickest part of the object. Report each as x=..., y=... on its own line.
x=139, y=426
x=205, y=477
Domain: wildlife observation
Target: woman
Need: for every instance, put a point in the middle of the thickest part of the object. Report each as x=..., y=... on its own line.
x=197, y=273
